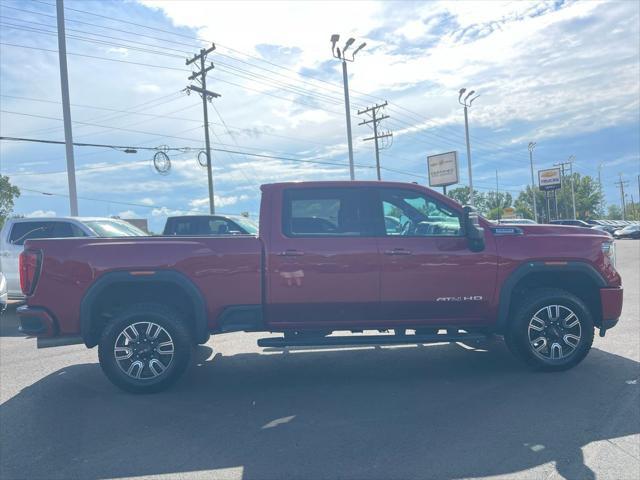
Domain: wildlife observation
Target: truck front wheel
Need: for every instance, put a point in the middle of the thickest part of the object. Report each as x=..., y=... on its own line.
x=551, y=330
x=145, y=349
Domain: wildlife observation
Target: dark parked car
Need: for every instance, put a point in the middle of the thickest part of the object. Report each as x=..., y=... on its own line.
x=610, y=229
x=573, y=223
x=631, y=231
x=195, y=225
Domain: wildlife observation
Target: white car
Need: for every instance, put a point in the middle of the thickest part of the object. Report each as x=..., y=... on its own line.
x=3, y=293
x=17, y=230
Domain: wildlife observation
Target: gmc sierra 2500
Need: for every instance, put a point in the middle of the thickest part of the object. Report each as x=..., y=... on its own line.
x=329, y=257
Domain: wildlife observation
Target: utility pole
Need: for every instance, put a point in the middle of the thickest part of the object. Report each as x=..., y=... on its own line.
x=562, y=165
x=532, y=146
x=337, y=53
x=375, y=120
x=600, y=190
x=498, y=197
x=573, y=193
x=466, y=130
x=66, y=110
x=621, y=184
x=206, y=95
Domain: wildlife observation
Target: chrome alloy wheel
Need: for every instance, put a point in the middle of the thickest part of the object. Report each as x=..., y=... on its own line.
x=143, y=350
x=554, y=332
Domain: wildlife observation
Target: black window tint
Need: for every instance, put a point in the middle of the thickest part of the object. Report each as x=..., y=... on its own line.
x=324, y=212
x=411, y=214
x=62, y=230
x=32, y=230
x=185, y=227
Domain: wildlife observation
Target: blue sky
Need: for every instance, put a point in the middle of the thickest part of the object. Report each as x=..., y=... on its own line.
x=562, y=74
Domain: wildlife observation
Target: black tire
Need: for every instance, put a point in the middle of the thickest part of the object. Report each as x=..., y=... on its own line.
x=160, y=369
x=523, y=330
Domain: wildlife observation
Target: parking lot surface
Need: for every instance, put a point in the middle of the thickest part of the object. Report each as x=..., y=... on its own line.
x=439, y=411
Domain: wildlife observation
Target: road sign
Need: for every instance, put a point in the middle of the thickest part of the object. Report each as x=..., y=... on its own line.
x=549, y=179
x=509, y=212
x=443, y=169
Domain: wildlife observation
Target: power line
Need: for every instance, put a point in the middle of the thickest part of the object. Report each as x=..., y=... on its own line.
x=101, y=145
x=164, y=116
x=117, y=202
x=95, y=57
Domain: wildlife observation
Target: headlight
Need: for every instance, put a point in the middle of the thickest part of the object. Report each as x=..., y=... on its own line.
x=609, y=249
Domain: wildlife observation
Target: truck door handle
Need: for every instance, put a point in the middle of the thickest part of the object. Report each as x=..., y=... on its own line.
x=398, y=251
x=291, y=253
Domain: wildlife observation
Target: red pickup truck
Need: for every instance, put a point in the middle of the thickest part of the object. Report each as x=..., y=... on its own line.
x=362, y=258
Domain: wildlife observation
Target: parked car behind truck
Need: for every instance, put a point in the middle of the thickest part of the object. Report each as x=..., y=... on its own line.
x=189, y=225
x=18, y=230
x=325, y=261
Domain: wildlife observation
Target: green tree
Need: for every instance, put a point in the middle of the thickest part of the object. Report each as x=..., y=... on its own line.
x=524, y=207
x=8, y=193
x=461, y=195
x=614, y=212
x=633, y=211
x=588, y=198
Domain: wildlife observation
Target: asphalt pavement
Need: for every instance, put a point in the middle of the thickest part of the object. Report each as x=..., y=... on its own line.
x=242, y=412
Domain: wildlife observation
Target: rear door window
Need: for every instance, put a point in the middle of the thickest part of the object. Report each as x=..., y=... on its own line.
x=23, y=231
x=326, y=212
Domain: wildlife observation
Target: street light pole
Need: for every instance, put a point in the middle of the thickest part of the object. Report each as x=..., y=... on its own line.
x=66, y=110
x=337, y=53
x=532, y=145
x=466, y=130
x=347, y=109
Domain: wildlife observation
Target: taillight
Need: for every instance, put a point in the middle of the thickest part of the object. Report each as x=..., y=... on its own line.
x=29, y=270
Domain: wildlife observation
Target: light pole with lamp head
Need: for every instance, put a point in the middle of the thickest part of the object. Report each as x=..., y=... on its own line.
x=466, y=106
x=532, y=146
x=337, y=53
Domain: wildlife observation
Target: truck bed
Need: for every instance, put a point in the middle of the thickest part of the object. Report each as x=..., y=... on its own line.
x=226, y=270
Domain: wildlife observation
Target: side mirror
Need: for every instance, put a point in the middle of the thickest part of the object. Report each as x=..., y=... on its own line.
x=473, y=231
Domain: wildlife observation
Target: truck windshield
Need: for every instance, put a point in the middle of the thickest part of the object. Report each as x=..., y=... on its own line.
x=106, y=228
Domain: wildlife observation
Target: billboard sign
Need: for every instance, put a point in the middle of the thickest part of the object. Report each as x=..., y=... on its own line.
x=549, y=179
x=443, y=169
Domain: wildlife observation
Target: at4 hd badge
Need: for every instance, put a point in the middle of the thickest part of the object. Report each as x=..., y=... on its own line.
x=472, y=298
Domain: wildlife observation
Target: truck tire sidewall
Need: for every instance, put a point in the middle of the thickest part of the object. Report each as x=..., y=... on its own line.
x=517, y=337
x=162, y=316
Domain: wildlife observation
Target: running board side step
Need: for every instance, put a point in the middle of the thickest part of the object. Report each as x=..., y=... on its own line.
x=280, y=342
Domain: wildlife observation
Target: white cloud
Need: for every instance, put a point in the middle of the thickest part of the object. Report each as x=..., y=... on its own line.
x=128, y=214
x=147, y=201
x=148, y=88
x=121, y=50
x=221, y=202
x=41, y=213
x=166, y=212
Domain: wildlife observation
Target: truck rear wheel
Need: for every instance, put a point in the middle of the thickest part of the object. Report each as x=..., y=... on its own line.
x=145, y=349
x=552, y=330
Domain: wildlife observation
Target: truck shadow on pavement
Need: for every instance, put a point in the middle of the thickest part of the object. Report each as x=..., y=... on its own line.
x=414, y=412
